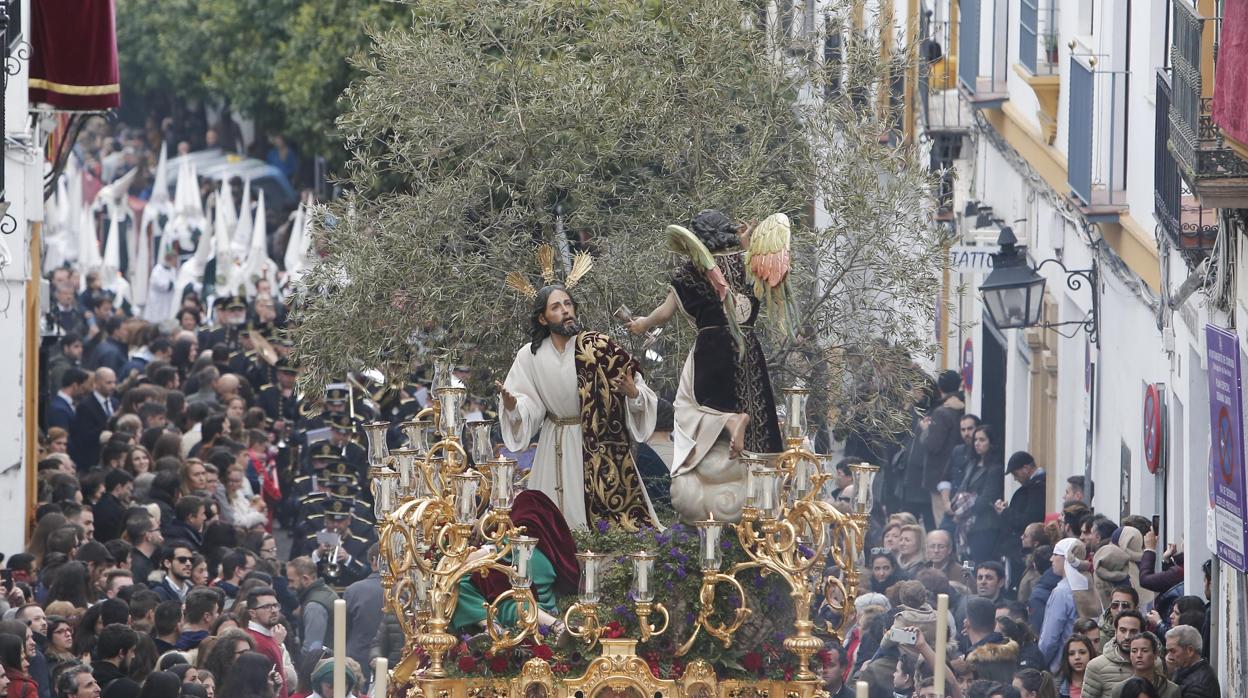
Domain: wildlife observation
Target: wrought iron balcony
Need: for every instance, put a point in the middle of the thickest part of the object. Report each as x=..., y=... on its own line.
x=981, y=90
x=1215, y=173
x=1192, y=228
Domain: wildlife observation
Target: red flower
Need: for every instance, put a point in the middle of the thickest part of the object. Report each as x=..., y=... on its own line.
x=788, y=674
x=678, y=670
x=654, y=669
x=752, y=661
x=542, y=652
x=613, y=630
x=561, y=668
x=498, y=663
x=467, y=664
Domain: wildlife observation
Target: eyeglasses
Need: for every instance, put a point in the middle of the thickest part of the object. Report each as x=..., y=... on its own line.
x=1121, y=604
x=266, y=606
x=184, y=560
x=879, y=551
x=66, y=630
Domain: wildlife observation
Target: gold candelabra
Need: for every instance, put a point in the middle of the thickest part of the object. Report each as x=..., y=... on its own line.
x=788, y=530
x=444, y=513
x=444, y=516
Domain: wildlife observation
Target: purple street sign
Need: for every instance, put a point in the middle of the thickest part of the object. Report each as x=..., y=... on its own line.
x=1226, y=447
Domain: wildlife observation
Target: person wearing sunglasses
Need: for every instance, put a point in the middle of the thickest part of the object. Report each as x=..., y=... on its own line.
x=177, y=560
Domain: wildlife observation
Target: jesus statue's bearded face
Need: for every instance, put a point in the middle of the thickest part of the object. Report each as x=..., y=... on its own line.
x=560, y=314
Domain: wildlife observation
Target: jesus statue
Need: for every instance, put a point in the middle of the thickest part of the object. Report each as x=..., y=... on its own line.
x=591, y=403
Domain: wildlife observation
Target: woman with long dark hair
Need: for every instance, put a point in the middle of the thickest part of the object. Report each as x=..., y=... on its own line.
x=978, y=522
x=70, y=584
x=251, y=676
x=883, y=569
x=17, y=667
x=1076, y=654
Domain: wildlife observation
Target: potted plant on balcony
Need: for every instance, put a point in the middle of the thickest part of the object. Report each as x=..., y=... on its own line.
x=1050, y=49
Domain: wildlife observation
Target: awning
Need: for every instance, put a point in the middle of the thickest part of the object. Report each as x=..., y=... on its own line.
x=73, y=63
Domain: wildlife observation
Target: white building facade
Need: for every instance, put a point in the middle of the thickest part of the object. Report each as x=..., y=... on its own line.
x=1056, y=117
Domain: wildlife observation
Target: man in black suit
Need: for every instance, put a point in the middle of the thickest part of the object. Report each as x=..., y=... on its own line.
x=75, y=383
x=110, y=511
x=94, y=411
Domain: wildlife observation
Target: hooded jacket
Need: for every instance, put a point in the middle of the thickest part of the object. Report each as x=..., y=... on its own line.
x=996, y=659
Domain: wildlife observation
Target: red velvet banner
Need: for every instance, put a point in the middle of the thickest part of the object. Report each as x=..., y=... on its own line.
x=73, y=63
x=1230, y=90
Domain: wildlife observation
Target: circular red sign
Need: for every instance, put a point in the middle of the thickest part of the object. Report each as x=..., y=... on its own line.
x=1152, y=429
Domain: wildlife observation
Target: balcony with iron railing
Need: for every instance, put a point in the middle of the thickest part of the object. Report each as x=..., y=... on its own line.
x=1214, y=171
x=983, y=90
x=1191, y=228
x=1038, y=55
x=1095, y=149
x=941, y=110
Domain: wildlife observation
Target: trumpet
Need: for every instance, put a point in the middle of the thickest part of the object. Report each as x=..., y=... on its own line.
x=332, y=568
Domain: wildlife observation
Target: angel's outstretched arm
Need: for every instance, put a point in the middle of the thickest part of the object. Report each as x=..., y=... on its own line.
x=658, y=318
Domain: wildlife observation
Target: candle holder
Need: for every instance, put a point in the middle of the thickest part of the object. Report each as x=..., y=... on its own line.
x=451, y=411
x=795, y=414
x=417, y=433
x=522, y=548
x=753, y=463
x=378, y=449
x=643, y=596
x=466, y=485
x=709, y=533
x=502, y=482
x=405, y=466
x=864, y=480
x=586, y=607
x=384, y=483
x=481, y=444
x=770, y=504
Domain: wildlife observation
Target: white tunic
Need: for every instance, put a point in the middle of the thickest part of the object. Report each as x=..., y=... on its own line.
x=161, y=294
x=545, y=386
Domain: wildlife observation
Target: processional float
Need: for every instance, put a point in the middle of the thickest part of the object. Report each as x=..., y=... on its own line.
x=440, y=506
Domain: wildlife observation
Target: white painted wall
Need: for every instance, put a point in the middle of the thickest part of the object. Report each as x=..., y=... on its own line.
x=23, y=187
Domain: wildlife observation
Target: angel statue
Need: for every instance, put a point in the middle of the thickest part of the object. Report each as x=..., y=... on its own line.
x=724, y=405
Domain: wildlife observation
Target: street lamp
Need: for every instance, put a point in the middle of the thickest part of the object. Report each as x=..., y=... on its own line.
x=1014, y=291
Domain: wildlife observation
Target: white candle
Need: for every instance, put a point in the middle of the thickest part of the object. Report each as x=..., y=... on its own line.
x=340, y=648
x=767, y=493
x=942, y=634
x=591, y=576
x=643, y=578
x=380, y=677
x=712, y=532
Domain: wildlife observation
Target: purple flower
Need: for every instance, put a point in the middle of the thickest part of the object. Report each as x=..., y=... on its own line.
x=680, y=572
x=725, y=544
x=602, y=525
x=620, y=610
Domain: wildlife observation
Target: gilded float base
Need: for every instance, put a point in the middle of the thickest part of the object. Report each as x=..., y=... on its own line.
x=617, y=673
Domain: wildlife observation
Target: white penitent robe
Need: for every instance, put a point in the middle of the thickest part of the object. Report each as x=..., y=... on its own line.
x=161, y=294
x=545, y=386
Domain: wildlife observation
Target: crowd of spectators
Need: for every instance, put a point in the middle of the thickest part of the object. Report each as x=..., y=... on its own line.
x=1041, y=604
